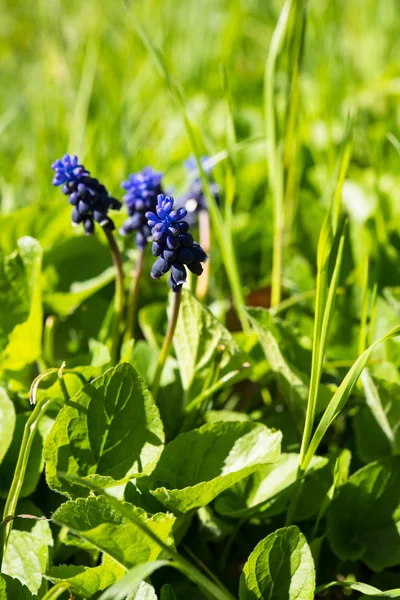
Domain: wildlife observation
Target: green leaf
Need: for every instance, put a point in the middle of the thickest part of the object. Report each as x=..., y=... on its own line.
x=13, y=589
x=379, y=395
x=144, y=591
x=132, y=579
x=20, y=298
x=363, y=588
x=268, y=490
x=289, y=362
x=109, y=431
x=97, y=522
x=205, y=349
x=7, y=423
x=197, y=466
x=86, y=581
x=27, y=555
x=65, y=303
x=364, y=518
x=167, y=592
x=280, y=567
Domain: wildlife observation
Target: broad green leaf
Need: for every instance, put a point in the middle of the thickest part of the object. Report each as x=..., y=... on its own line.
x=364, y=518
x=380, y=419
x=27, y=555
x=268, y=490
x=121, y=589
x=289, y=362
x=110, y=431
x=280, y=568
x=20, y=297
x=205, y=349
x=87, y=581
x=97, y=522
x=13, y=589
x=197, y=466
x=7, y=422
x=65, y=303
x=363, y=588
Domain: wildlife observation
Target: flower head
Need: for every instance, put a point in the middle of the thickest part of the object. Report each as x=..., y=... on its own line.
x=142, y=190
x=194, y=200
x=173, y=244
x=89, y=198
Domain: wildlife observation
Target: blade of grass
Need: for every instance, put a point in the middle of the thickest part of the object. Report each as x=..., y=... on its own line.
x=341, y=396
x=274, y=151
x=290, y=164
x=325, y=305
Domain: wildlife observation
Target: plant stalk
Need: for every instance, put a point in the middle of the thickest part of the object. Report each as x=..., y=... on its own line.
x=205, y=243
x=23, y=458
x=133, y=297
x=119, y=296
x=167, y=342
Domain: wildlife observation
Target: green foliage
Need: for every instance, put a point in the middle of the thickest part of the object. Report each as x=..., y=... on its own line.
x=197, y=466
x=21, y=314
x=97, y=522
x=28, y=555
x=280, y=566
x=13, y=588
x=363, y=519
x=108, y=432
x=86, y=581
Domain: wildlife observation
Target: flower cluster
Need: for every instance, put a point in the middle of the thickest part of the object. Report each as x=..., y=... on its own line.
x=173, y=244
x=142, y=191
x=194, y=200
x=89, y=198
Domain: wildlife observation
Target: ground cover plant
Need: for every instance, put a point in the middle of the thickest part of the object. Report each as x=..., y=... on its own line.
x=199, y=381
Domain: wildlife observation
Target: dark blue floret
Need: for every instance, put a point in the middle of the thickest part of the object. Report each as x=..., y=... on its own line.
x=142, y=190
x=173, y=244
x=89, y=198
x=194, y=200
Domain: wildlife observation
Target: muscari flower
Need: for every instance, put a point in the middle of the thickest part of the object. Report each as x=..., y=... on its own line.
x=89, y=198
x=142, y=191
x=173, y=244
x=195, y=200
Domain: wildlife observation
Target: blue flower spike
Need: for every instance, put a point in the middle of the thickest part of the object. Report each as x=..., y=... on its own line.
x=173, y=245
x=142, y=190
x=89, y=198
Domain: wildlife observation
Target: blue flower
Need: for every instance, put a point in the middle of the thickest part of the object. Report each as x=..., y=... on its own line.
x=142, y=191
x=173, y=244
x=194, y=200
x=89, y=198
x=67, y=169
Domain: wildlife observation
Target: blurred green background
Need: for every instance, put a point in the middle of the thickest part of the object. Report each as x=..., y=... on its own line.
x=75, y=77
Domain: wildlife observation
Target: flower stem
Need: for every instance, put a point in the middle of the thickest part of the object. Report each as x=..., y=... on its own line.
x=19, y=474
x=48, y=339
x=119, y=295
x=205, y=243
x=167, y=342
x=133, y=297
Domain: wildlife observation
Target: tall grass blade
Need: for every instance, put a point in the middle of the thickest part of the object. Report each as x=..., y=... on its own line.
x=341, y=396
